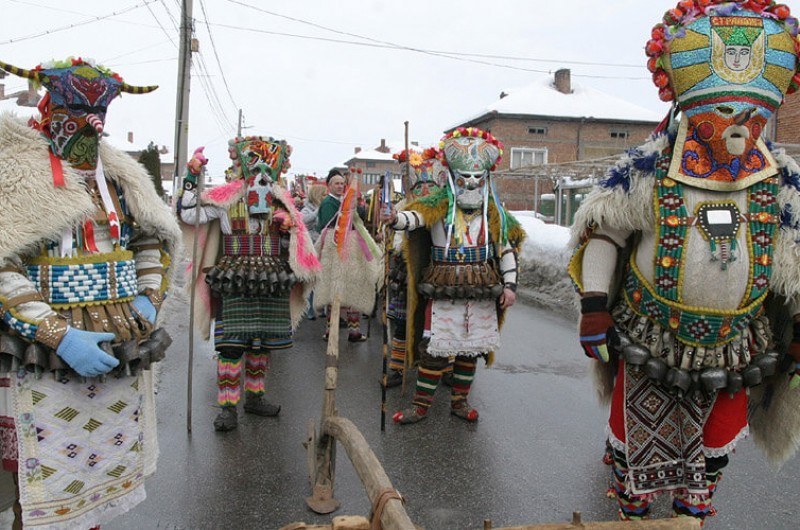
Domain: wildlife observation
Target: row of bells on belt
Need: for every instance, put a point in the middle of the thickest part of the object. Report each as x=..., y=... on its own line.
x=250, y=280
x=710, y=380
x=16, y=354
x=460, y=292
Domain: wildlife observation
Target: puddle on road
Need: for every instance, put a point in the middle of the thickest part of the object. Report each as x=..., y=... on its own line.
x=572, y=370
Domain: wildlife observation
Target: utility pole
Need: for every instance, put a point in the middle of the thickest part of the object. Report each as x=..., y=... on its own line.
x=182, y=100
x=239, y=129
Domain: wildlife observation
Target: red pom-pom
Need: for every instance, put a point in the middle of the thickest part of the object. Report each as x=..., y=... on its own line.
x=673, y=16
x=652, y=64
x=397, y=417
x=653, y=48
x=661, y=79
x=686, y=5
x=702, y=4
x=781, y=11
x=666, y=94
x=658, y=32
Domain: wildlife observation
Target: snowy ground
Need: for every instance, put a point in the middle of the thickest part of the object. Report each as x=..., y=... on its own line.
x=544, y=259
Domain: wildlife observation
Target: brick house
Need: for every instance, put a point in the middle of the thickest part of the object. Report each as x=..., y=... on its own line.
x=552, y=121
x=374, y=163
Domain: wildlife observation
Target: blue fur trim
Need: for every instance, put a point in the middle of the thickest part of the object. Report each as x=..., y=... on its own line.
x=620, y=174
x=790, y=179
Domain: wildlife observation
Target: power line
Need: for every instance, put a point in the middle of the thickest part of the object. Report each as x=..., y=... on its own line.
x=163, y=30
x=77, y=24
x=114, y=58
x=444, y=55
x=460, y=56
x=169, y=13
x=216, y=55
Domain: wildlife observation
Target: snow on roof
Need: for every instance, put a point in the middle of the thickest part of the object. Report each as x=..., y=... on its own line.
x=541, y=98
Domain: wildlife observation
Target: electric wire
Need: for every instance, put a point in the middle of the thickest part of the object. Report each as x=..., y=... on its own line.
x=459, y=56
x=76, y=24
x=216, y=55
x=161, y=26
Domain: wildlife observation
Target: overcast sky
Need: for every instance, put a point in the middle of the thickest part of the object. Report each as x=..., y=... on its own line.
x=328, y=97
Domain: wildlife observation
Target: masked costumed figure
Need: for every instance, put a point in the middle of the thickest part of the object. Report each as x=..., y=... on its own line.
x=84, y=250
x=426, y=175
x=258, y=262
x=688, y=248
x=461, y=257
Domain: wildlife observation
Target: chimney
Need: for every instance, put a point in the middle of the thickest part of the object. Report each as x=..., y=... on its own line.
x=357, y=150
x=563, y=82
x=130, y=137
x=503, y=94
x=383, y=148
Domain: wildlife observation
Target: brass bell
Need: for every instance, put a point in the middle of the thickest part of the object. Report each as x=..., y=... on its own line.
x=752, y=375
x=656, y=369
x=678, y=381
x=714, y=379
x=636, y=355
x=735, y=383
x=767, y=363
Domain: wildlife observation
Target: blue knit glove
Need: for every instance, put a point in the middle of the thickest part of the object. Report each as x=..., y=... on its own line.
x=80, y=350
x=144, y=306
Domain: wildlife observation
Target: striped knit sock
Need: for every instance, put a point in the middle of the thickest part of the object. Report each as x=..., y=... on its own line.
x=255, y=370
x=463, y=375
x=397, y=360
x=229, y=375
x=697, y=506
x=427, y=381
x=353, y=321
x=631, y=507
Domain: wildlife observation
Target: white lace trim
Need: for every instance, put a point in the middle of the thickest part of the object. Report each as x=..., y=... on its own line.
x=615, y=442
x=716, y=452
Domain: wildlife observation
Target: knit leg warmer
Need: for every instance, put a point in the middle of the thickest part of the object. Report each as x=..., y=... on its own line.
x=229, y=376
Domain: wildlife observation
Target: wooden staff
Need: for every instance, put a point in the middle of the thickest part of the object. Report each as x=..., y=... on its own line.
x=195, y=274
x=386, y=205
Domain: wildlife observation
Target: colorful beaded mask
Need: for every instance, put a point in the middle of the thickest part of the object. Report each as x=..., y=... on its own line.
x=711, y=53
x=471, y=154
x=74, y=108
x=260, y=161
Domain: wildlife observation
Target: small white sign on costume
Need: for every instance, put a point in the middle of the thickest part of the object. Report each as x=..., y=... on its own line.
x=719, y=217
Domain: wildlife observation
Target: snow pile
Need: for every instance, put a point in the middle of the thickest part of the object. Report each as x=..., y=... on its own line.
x=543, y=263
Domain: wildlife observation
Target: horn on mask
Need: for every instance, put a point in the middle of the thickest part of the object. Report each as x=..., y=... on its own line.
x=131, y=89
x=10, y=68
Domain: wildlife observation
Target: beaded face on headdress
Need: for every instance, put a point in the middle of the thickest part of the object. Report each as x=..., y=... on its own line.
x=728, y=66
x=260, y=161
x=471, y=154
x=74, y=108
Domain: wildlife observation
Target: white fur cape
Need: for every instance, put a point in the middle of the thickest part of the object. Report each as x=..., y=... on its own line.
x=32, y=209
x=624, y=201
x=302, y=258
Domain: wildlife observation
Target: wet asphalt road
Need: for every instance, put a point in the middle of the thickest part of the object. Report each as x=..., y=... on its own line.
x=534, y=456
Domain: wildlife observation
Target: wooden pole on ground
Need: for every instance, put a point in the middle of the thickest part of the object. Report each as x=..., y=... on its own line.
x=370, y=471
x=321, y=500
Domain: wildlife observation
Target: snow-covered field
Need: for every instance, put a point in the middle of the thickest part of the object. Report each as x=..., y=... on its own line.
x=544, y=259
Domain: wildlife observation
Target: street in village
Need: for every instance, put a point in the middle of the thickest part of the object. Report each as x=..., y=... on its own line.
x=534, y=456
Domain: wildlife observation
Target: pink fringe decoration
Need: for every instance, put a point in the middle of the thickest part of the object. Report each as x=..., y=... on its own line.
x=305, y=258
x=223, y=195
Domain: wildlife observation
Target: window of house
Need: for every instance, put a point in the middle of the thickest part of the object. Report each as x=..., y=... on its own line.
x=371, y=163
x=539, y=131
x=619, y=133
x=524, y=157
